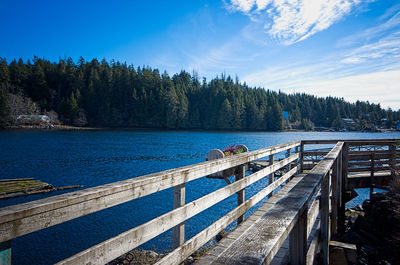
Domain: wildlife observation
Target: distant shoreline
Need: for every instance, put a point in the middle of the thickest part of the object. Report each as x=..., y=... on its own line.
x=75, y=128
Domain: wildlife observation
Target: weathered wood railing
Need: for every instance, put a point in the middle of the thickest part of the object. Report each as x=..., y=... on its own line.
x=294, y=215
x=29, y=217
x=377, y=158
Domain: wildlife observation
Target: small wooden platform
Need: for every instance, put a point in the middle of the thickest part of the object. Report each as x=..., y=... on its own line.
x=358, y=180
x=10, y=188
x=14, y=187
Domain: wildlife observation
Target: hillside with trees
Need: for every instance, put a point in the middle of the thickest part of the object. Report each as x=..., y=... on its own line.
x=113, y=94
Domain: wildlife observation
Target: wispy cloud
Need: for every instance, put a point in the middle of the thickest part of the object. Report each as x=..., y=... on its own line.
x=387, y=48
x=362, y=66
x=291, y=21
x=378, y=87
x=390, y=21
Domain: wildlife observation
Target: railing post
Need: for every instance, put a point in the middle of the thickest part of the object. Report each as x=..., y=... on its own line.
x=288, y=153
x=271, y=176
x=5, y=253
x=296, y=150
x=392, y=149
x=240, y=194
x=343, y=172
x=298, y=241
x=178, y=232
x=334, y=202
x=324, y=211
x=301, y=157
x=372, y=174
x=341, y=207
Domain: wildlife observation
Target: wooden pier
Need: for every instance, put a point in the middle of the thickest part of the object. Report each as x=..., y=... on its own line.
x=10, y=188
x=294, y=225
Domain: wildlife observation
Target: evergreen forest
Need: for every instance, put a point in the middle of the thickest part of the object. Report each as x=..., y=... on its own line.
x=113, y=94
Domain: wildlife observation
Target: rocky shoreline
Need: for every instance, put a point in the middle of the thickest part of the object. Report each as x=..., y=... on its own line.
x=374, y=228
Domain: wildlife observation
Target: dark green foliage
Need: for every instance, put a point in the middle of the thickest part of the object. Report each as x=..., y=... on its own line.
x=3, y=106
x=115, y=94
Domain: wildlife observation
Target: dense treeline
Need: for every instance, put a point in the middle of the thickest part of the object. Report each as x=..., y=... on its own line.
x=115, y=94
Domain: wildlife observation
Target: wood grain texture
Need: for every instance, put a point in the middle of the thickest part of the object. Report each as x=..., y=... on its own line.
x=178, y=232
x=240, y=194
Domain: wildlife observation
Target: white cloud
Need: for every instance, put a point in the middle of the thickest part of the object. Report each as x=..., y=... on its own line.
x=363, y=66
x=378, y=87
x=290, y=21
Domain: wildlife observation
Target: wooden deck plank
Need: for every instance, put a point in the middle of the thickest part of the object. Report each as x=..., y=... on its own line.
x=256, y=216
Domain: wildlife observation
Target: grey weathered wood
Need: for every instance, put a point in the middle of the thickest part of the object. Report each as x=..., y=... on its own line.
x=25, y=218
x=271, y=176
x=363, y=142
x=342, y=253
x=367, y=153
x=367, y=163
x=298, y=241
x=312, y=214
x=178, y=232
x=288, y=152
x=372, y=173
x=240, y=194
x=297, y=150
x=366, y=156
x=369, y=169
x=313, y=248
x=345, y=160
x=116, y=246
x=334, y=202
x=180, y=254
x=264, y=238
x=301, y=157
x=315, y=153
x=320, y=141
x=340, y=181
x=324, y=211
x=364, y=181
x=392, y=150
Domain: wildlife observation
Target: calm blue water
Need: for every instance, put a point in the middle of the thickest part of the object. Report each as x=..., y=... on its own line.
x=92, y=158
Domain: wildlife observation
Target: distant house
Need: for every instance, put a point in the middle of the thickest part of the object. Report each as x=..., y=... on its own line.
x=349, y=123
x=33, y=119
x=285, y=114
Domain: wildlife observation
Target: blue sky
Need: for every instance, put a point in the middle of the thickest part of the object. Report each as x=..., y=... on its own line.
x=342, y=48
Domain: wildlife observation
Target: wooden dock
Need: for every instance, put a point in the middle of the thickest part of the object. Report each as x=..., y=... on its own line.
x=305, y=205
x=10, y=188
x=15, y=187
